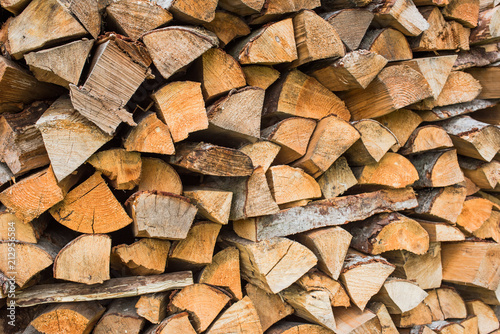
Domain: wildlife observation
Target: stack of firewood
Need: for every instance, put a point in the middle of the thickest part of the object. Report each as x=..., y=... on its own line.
x=250, y=166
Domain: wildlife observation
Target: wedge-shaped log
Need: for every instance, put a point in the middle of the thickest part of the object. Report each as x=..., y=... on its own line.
x=392, y=86
x=262, y=153
x=87, y=12
x=352, y=320
x=490, y=297
x=260, y=76
x=121, y=167
x=487, y=78
x=15, y=6
x=476, y=211
x=441, y=203
x=120, y=316
x=161, y=215
x=490, y=228
x=437, y=168
x=441, y=232
x=227, y=27
x=388, y=232
x=451, y=304
x=315, y=280
x=274, y=9
x=224, y=271
x=363, y=276
x=91, y=207
x=176, y=323
x=335, y=211
x=143, y=257
x=152, y=307
x=341, y=20
x=158, y=175
x=440, y=113
x=5, y=174
x=402, y=123
x=445, y=327
x=384, y=318
x=389, y=43
x=337, y=179
x=427, y=138
x=150, y=136
x=274, y=264
x=174, y=47
x=240, y=318
x=297, y=94
x=191, y=11
x=114, y=288
x=212, y=204
x=487, y=28
x=402, y=15
x=289, y=184
x=419, y=316
x=262, y=46
x=488, y=113
x=242, y=7
x=400, y=295
x=213, y=160
x=465, y=12
x=25, y=232
x=487, y=319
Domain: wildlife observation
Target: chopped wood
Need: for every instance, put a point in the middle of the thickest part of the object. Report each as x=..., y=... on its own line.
x=402, y=15
x=288, y=327
x=402, y=123
x=488, y=114
x=342, y=20
x=120, y=316
x=153, y=307
x=471, y=187
x=437, y=168
x=451, y=304
x=486, y=77
x=337, y=179
x=150, y=136
x=485, y=175
x=260, y=76
x=487, y=28
x=470, y=324
x=440, y=113
x=400, y=296
x=191, y=11
x=315, y=280
x=288, y=184
x=465, y=12
x=490, y=297
x=5, y=174
x=446, y=327
x=340, y=4
x=143, y=257
x=14, y=6
x=274, y=9
x=352, y=320
x=262, y=153
x=440, y=203
x=475, y=212
x=176, y=323
x=384, y=317
x=114, y=288
x=227, y=27
x=224, y=271
x=158, y=175
x=490, y=228
x=440, y=3
x=426, y=138
x=389, y=43
x=487, y=320
x=242, y=7
x=25, y=232
x=420, y=315
x=432, y=302
x=162, y=215
x=212, y=204
x=240, y=318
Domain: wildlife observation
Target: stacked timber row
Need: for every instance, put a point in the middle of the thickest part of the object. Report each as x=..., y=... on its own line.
x=250, y=166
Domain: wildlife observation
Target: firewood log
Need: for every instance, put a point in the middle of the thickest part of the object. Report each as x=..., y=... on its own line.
x=420, y=315
x=176, y=323
x=162, y=215
x=227, y=27
x=341, y=21
x=262, y=46
x=288, y=327
x=212, y=204
x=242, y=7
x=475, y=212
x=297, y=94
x=158, y=175
x=487, y=27
x=437, y=168
x=440, y=113
x=153, y=307
x=69, y=318
x=340, y=4
x=451, y=304
x=262, y=153
x=470, y=324
x=174, y=47
x=355, y=70
x=191, y=11
x=150, y=136
x=490, y=297
x=487, y=320
x=14, y=6
x=391, y=86
x=120, y=317
x=274, y=9
x=26, y=232
x=471, y=187
x=202, y=302
x=331, y=212
x=337, y=179
x=60, y=65
x=466, y=13
x=352, y=320
x=402, y=15
x=440, y=203
x=315, y=280
x=70, y=138
x=224, y=271
x=32, y=196
x=441, y=231
x=440, y=3
x=485, y=175
x=487, y=78
x=432, y=302
x=471, y=262
x=288, y=184
x=384, y=318
x=488, y=114
x=240, y=318
x=363, y=276
x=274, y=264
x=143, y=257
x=87, y=13
x=399, y=295
x=121, y=167
x=260, y=76
x=426, y=138
x=133, y=18
x=490, y=228
x=209, y=159
x=389, y=43
x=446, y=327
x=91, y=207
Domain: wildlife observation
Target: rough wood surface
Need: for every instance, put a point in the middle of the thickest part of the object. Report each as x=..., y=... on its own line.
x=158, y=175
x=440, y=203
x=224, y=271
x=289, y=184
x=427, y=138
x=487, y=78
x=262, y=153
x=400, y=295
x=242, y=7
x=212, y=204
x=487, y=320
x=402, y=123
x=342, y=20
x=120, y=316
x=152, y=307
x=143, y=257
x=465, y=12
x=150, y=135
x=227, y=27
x=402, y=15
x=487, y=30
x=337, y=179
x=315, y=280
x=437, y=168
x=176, y=323
x=389, y=43
x=240, y=318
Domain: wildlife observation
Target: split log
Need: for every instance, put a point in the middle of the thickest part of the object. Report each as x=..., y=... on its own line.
x=331, y=212
x=87, y=13
x=14, y=6
x=478, y=55
x=473, y=138
x=330, y=245
x=384, y=318
x=471, y=187
x=5, y=174
x=274, y=264
x=488, y=114
x=297, y=94
x=340, y=4
x=142, y=258
x=91, y=207
x=174, y=47
x=342, y=20
x=486, y=175
x=399, y=295
x=355, y=70
x=432, y=303
x=133, y=18
x=331, y=138
x=487, y=320
x=161, y=215
x=208, y=159
x=451, y=304
x=158, y=175
x=288, y=327
x=150, y=136
x=490, y=228
x=388, y=232
x=30, y=30
x=440, y=203
x=427, y=138
x=224, y=271
x=202, y=302
x=114, y=288
x=467, y=13
x=68, y=318
x=402, y=123
x=420, y=315
x=363, y=276
x=470, y=324
x=440, y=3
x=70, y=138
x=242, y=7
x=227, y=27
x=274, y=9
x=25, y=232
x=197, y=248
x=402, y=15
x=181, y=106
x=262, y=153
x=120, y=317
x=260, y=76
x=292, y=135
x=471, y=262
x=122, y=168
x=177, y=323
x=263, y=46
x=60, y=65
x=475, y=212
x=240, y=318
x=32, y=196
x=191, y=11
x=212, y=204
x=446, y=327
x=487, y=79
x=437, y=168
x=389, y=43
x=21, y=143
x=393, y=170
x=391, y=86
x=153, y=307
x=315, y=280
x=288, y=184
x=315, y=38
x=468, y=292
x=313, y=306
x=337, y=179
x=352, y=320
x=425, y=270
x=487, y=27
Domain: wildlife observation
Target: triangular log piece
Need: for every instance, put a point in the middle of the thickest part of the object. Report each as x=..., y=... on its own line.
x=224, y=271
x=158, y=175
x=87, y=13
x=400, y=295
x=441, y=232
x=487, y=30
x=352, y=320
x=150, y=136
x=402, y=123
x=342, y=21
x=212, y=204
x=274, y=9
x=402, y=15
x=260, y=76
x=419, y=316
x=289, y=184
x=437, y=168
x=487, y=77
x=122, y=168
x=426, y=138
x=487, y=320
x=389, y=43
x=28, y=232
x=176, y=323
x=440, y=203
x=120, y=316
x=262, y=153
x=240, y=318
x=476, y=211
x=153, y=307
x=315, y=280
x=464, y=12
x=191, y=11
x=490, y=228
x=227, y=27
x=242, y=7
x=384, y=317
x=486, y=175
x=337, y=179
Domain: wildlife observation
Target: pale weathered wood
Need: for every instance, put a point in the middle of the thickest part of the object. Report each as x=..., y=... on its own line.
x=402, y=123
x=152, y=307
x=426, y=138
x=352, y=320
x=437, y=168
x=120, y=316
x=289, y=184
x=176, y=323
x=487, y=30
x=451, y=304
x=440, y=113
x=158, y=175
x=212, y=204
x=465, y=12
x=316, y=280
x=400, y=295
x=191, y=11
x=240, y=318
x=384, y=317
x=224, y=271
x=420, y=315
x=402, y=15
x=242, y=7
x=150, y=136
x=144, y=257
x=389, y=43
x=227, y=27
x=486, y=175
x=122, y=168
x=487, y=320
x=440, y=203
x=487, y=78
x=342, y=21
x=262, y=153
x=337, y=179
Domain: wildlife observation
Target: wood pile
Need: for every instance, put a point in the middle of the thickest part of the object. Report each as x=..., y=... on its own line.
x=250, y=166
